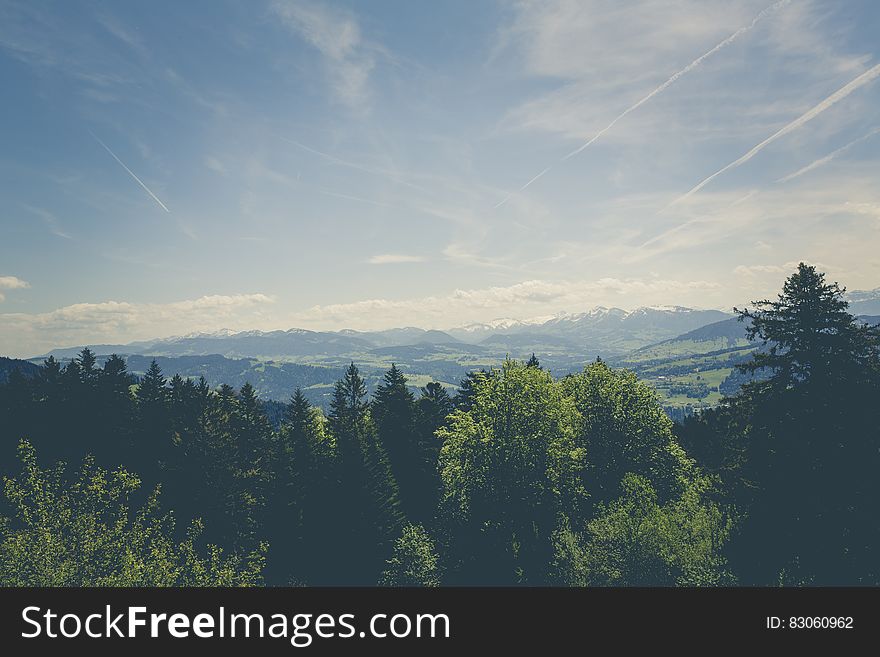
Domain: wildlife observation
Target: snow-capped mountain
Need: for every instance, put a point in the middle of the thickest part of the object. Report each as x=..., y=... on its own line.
x=611, y=324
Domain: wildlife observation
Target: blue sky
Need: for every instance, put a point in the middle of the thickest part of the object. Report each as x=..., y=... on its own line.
x=170, y=167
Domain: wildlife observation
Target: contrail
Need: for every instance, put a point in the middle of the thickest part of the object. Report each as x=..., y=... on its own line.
x=687, y=69
x=130, y=172
x=815, y=164
x=345, y=163
x=507, y=198
x=838, y=95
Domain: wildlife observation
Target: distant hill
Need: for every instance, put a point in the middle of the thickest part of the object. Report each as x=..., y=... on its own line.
x=732, y=329
x=694, y=369
x=272, y=380
x=601, y=331
x=402, y=336
x=9, y=365
x=606, y=330
x=864, y=302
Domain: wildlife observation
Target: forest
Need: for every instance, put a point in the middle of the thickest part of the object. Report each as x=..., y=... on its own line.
x=518, y=478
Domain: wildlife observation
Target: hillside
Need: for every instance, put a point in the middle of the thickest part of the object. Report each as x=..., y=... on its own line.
x=9, y=365
x=695, y=369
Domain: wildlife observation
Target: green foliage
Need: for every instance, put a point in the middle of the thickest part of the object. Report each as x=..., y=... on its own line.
x=508, y=465
x=85, y=534
x=635, y=541
x=415, y=561
x=520, y=478
x=621, y=428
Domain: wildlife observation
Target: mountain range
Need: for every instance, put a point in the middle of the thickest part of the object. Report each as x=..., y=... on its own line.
x=687, y=355
x=599, y=332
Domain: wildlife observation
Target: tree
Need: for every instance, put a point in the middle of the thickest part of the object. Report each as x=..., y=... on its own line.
x=464, y=396
x=153, y=442
x=636, y=541
x=415, y=561
x=809, y=334
x=622, y=429
x=83, y=534
x=799, y=451
x=299, y=516
x=432, y=410
x=508, y=465
x=115, y=408
x=87, y=370
x=367, y=508
x=393, y=412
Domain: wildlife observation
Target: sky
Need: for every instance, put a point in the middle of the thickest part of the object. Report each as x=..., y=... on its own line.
x=175, y=167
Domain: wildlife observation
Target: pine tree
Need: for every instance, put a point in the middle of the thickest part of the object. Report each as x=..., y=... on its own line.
x=115, y=406
x=393, y=411
x=464, y=396
x=87, y=370
x=808, y=440
x=432, y=409
x=154, y=442
x=368, y=507
x=298, y=419
x=809, y=333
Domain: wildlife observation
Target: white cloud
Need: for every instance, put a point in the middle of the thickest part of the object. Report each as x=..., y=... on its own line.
x=11, y=283
x=525, y=299
x=122, y=321
x=336, y=34
x=393, y=259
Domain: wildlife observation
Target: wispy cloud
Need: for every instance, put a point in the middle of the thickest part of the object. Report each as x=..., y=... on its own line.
x=131, y=173
x=215, y=165
x=384, y=173
x=657, y=90
x=863, y=79
x=394, y=259
x=51, y=221
x=787, y=268
x=115, y=27
x=336, y=34
x=822, y=161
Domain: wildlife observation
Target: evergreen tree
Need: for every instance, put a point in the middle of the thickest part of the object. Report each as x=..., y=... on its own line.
x=369, y=514
x=808, y=334
x=807, y=440
x=153, y=442
x=393, y=411
x=464, y=396
x=432, y=410
x=87, y=370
